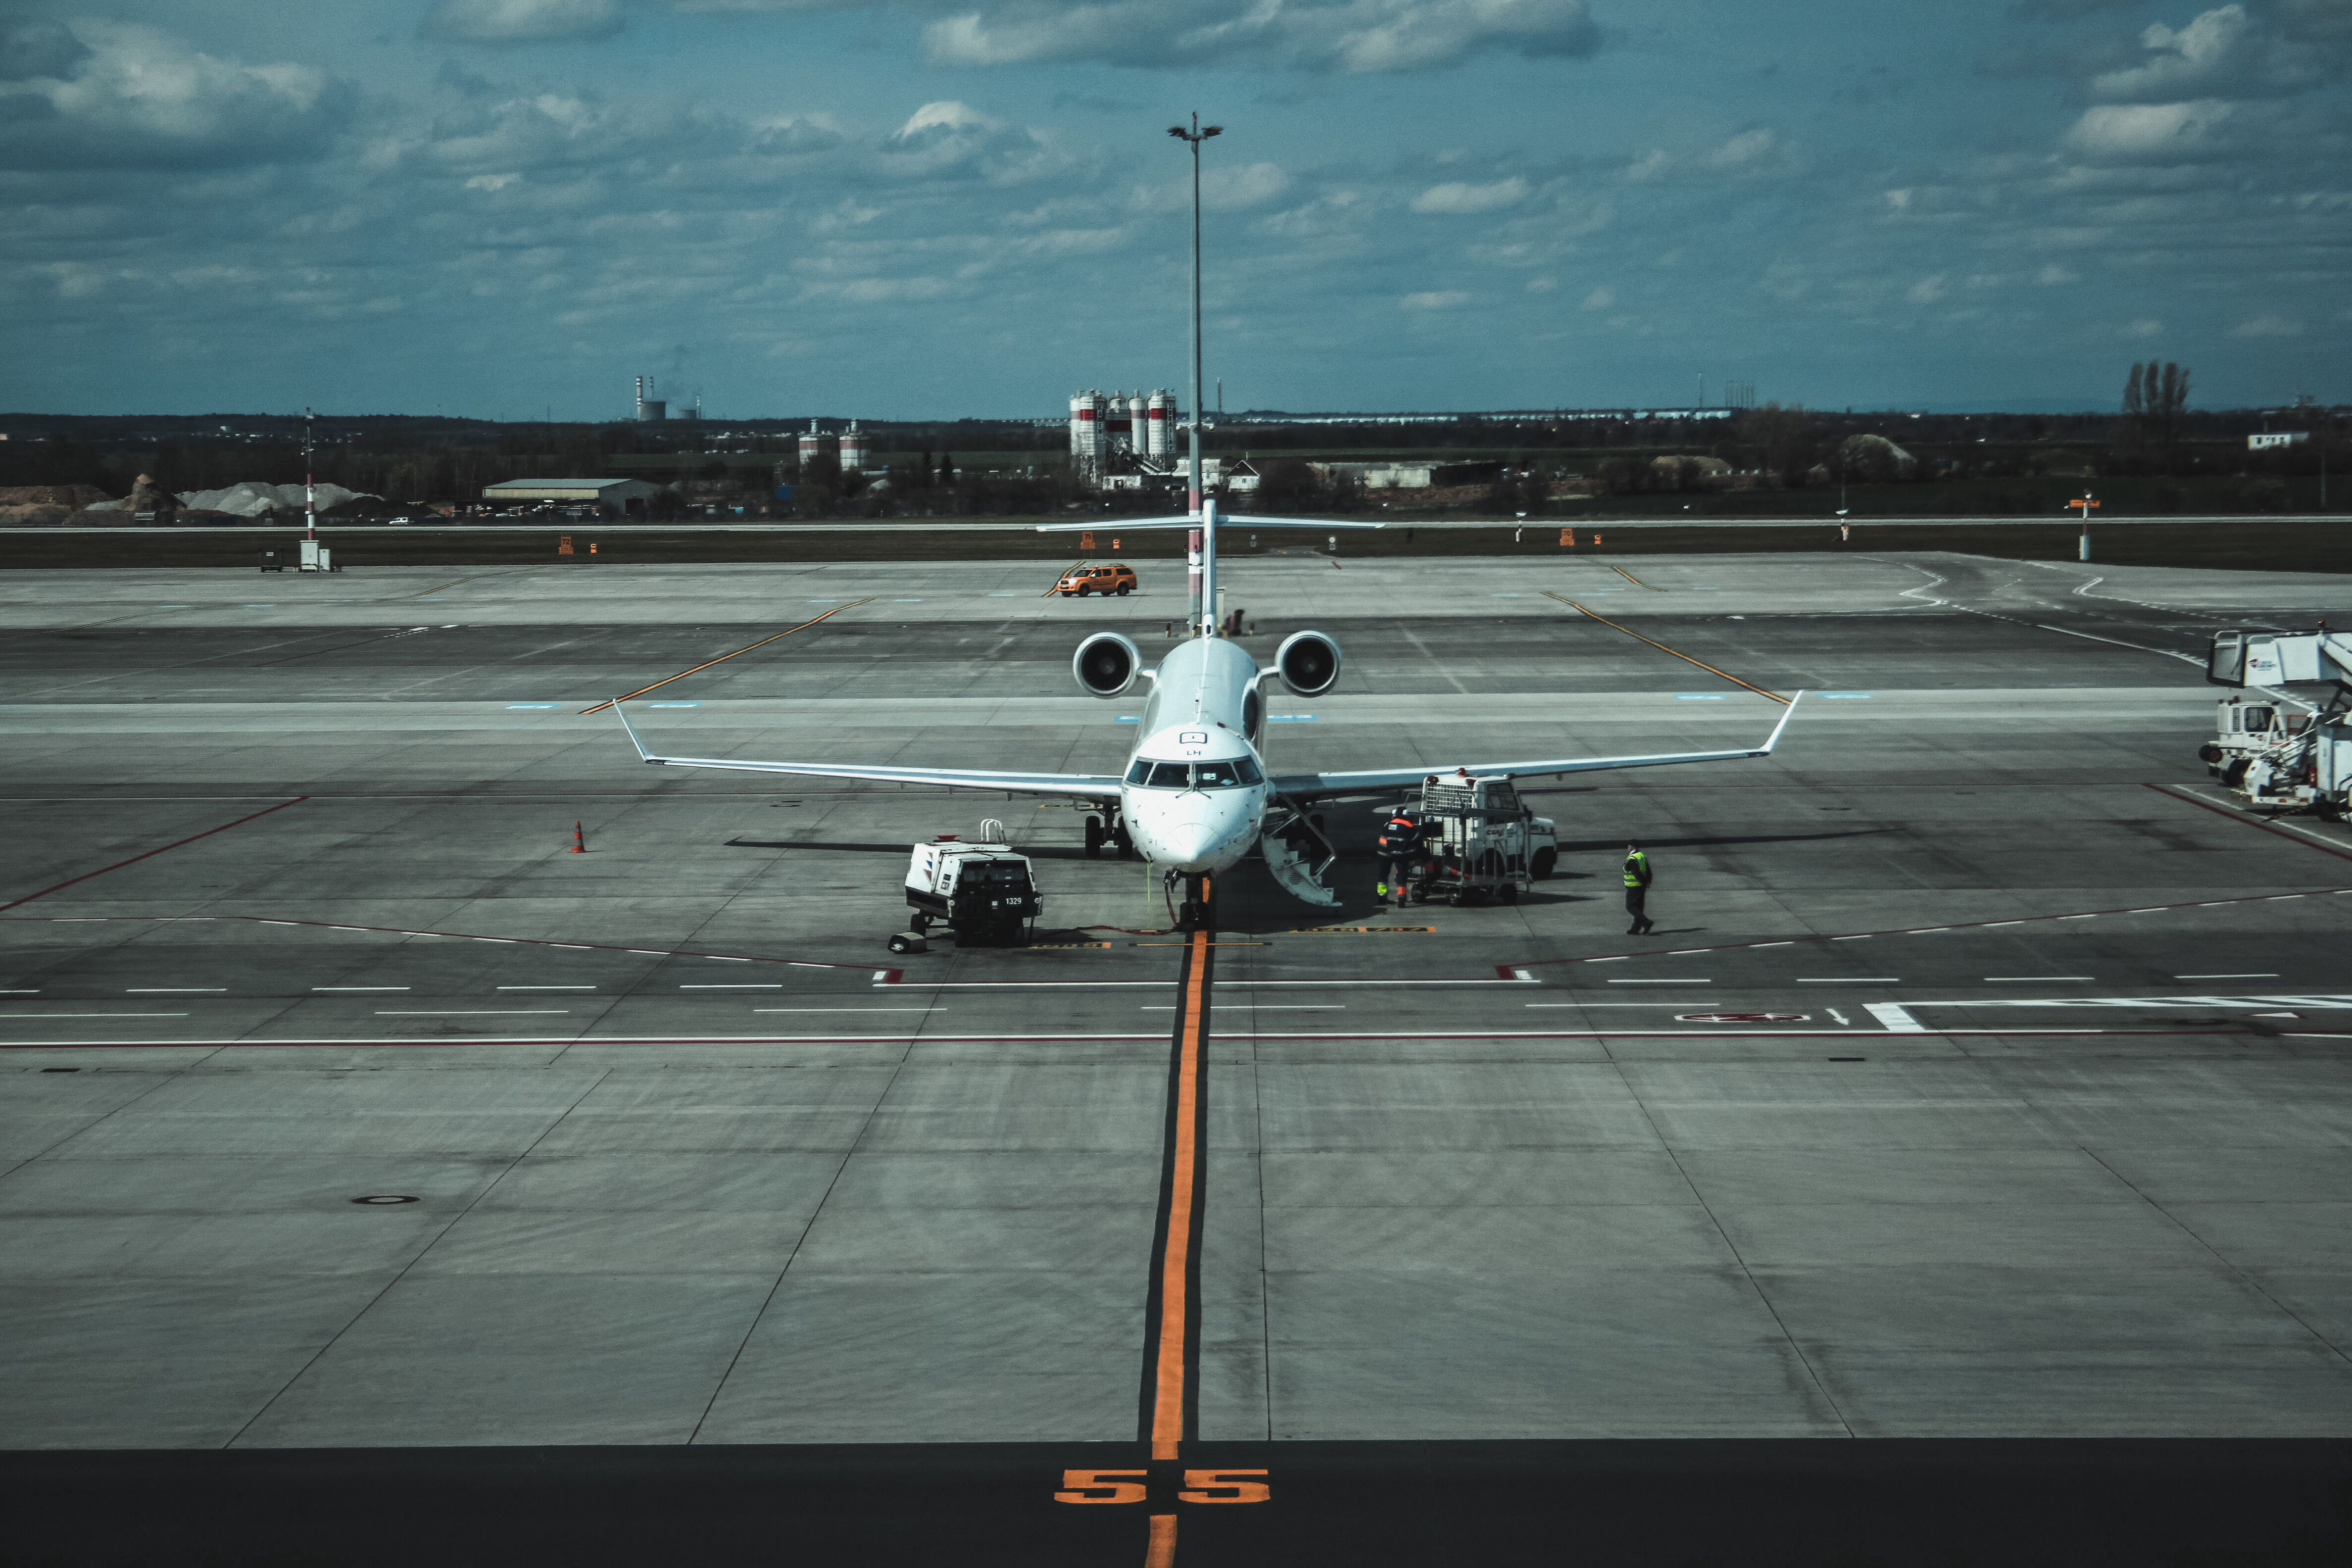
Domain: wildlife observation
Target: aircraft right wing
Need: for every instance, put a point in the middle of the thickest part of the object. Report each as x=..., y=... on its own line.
x=1084, y=786
x=1303, y=787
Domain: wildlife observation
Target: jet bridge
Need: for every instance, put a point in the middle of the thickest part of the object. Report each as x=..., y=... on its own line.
x=2272, y=757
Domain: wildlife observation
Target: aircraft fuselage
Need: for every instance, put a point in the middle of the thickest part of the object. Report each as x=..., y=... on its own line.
x=1195, y=793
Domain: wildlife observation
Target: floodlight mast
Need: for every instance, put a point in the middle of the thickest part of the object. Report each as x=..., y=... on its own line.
x=309, y=490
x=1194, y=138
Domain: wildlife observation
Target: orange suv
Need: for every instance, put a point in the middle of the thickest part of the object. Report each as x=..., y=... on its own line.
x=1087, y=580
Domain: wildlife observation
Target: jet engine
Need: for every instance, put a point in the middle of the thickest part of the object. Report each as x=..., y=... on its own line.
x=1105, y=664
x=1308, y=663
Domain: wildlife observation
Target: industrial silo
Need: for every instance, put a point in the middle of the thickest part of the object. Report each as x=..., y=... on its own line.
x=853, y=449
x=1088, y=441
x=815, y=444
x=1161, y=419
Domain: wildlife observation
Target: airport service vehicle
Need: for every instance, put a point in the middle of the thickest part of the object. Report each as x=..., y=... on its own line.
x=1488, y=844
x=2266, y=752
x=1198, y=793
x=983, y=892
x=1119, y=580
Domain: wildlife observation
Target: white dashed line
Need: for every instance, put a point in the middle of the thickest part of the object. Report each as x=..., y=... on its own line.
x=2262, y=976
x=1859, y=980
x=359, y=987
x=546, y=988
x=2038, y=979
x=736, y=986
x=475, y=1013
x=1662, y=983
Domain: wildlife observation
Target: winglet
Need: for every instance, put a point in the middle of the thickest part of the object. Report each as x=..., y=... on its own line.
x=644, y=755
x=1787, y=713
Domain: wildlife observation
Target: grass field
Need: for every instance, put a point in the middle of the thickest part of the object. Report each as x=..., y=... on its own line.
x=2290, y=544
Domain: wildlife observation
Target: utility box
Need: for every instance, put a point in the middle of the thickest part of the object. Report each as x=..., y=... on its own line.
x=983, y=892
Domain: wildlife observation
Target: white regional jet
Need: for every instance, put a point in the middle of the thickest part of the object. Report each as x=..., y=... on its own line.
x=1196, y=794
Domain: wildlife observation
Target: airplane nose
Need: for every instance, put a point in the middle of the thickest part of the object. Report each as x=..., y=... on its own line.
x=1186, y=845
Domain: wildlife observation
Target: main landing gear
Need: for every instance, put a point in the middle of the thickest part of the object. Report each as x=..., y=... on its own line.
x=1114, y=834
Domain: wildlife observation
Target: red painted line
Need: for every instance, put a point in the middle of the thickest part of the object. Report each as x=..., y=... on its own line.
x=1920, y=930
x=166, y=849
x=560, y=1041
x=2234, y=815
x=453, y=936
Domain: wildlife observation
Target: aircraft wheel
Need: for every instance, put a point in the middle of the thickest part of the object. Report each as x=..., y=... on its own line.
x=1544, y=863
x=1508, y=892
x=1094, y=837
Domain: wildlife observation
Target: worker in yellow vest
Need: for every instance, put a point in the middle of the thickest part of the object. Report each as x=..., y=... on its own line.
x=1637, y=891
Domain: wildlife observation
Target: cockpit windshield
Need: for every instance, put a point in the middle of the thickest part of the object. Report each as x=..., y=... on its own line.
x=1222, y=773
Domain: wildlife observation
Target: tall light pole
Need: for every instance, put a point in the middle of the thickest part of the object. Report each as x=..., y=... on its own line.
x=309, y=489
x=1194, y=138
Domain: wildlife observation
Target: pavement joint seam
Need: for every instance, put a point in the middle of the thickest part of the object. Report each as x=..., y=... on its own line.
x=403, y=1272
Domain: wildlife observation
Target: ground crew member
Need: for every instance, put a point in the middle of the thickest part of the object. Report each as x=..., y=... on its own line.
x=1637, y=891
x=1401, y=840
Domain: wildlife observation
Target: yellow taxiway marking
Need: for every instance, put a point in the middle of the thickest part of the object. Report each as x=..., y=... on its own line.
x=1662, y=648
x=723, y=658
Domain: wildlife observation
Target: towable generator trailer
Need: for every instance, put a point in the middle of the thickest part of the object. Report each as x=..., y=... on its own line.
x=1488, y=842
x=983, y=892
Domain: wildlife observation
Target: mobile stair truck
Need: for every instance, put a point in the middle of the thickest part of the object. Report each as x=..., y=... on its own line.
x=1488, y=842
x=2272, y=758
x=983, y=892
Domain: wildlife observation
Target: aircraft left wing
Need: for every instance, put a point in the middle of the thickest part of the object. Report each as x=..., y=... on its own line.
x=1085, y=786
x=1303, y=787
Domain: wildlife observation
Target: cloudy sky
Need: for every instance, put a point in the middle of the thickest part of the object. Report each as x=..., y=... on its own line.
x=913, y=208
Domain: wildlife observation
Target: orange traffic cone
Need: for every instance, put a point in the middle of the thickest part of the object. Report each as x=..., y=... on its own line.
x=579, y=841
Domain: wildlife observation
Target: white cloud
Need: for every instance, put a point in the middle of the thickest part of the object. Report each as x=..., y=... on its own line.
x=2194, y=54
x=2053, y=274
x=1353, y=36
x=2146, y=327
x=1223, y=188
x=2149, y=130
x=1542, y=285
x=137, y=97
x=521, y=21
x=1899, y=200
x=1458, y=197
x=1754, y=151
x=1749, y=147
x=1436, y=300
x=2266, y=326
x=1601, y=299
x=1927, y=292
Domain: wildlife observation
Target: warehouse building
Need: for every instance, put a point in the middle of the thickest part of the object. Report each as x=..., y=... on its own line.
x=617, y=496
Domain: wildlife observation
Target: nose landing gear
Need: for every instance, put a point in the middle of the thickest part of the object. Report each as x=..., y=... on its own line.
x=1196, y=912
